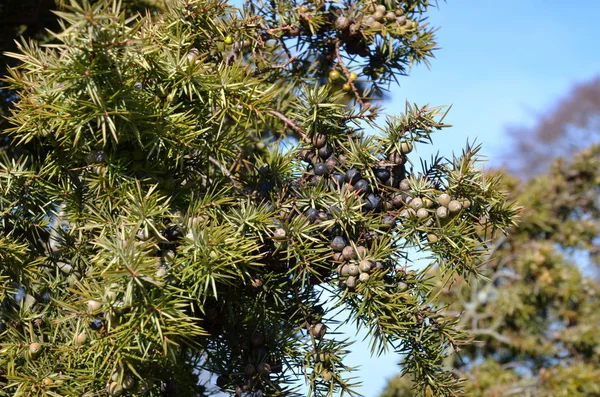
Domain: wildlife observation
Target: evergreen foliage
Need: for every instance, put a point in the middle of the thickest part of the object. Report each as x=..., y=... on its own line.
x=183, y=190
x=534, y=320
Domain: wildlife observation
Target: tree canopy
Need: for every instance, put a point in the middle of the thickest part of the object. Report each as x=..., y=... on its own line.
x=181, y=190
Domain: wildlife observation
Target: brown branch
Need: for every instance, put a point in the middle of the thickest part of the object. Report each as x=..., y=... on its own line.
x=289, y=123
x=223, y=169
x=341, y=63
x=269, y=68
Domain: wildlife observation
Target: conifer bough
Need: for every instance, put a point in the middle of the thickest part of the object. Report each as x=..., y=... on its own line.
x=149, y=159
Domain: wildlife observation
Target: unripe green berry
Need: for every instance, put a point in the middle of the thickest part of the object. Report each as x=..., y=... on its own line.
x=353, y=270
x=351, y=282
x=34, y=349
x=416, y=203
x=454, y=206
x=347, y=87
x=318, y=330
x=93, y=305
x=422, y=213
x=432, y=238
x=466, y=203
x=378, y=16
x=397, y=158
x=444, y=199
x=406, y=147
x=349, y=253
x=361, y=251
x=114, y=389
x=81, y=338
x=128, y=382
x=228, y=40
x=334, y=75
x=353, y=76
x=342, y=23
x=279, y=234
x=442, y=212
x=380, y=8
x=364, y=266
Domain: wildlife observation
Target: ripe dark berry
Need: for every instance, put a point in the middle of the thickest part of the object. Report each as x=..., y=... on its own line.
x=372, y=202
x=321, y=169
x=222, y=381
x=325, y=152
x=264, y=369
x=338, y=244
x=257, y=339
x=362, y=186
x=95, y=157
x=173, y=233
x=96, y=325
x=383, y=174
x=319, y=140
x=339, y=179
x=264, y=169
x=312, y=214
x=353, y=175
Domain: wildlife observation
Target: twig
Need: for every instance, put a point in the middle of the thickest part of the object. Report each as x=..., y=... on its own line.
x=269, y=68
x=289, y=123
x=339, y=62
x=223, y=169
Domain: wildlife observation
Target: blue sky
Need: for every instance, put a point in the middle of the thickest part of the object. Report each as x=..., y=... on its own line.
x=500, y=62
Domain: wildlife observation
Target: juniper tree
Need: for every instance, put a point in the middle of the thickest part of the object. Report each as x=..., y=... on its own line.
x=534, y=319
x=184, y=191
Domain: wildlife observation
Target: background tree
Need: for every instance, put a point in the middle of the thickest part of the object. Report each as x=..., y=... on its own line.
x=534, y=319
x=183, y=190
x=569, y=126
